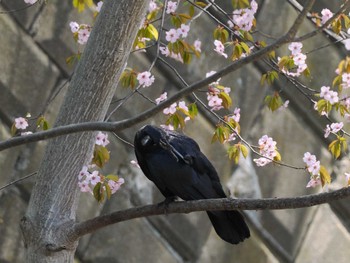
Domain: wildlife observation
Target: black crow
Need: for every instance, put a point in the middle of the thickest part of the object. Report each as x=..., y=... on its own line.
x=175, y=164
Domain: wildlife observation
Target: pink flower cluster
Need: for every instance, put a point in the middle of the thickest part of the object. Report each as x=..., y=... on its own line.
x=313, y=166
x=243, y=18
x=220, y=48
x=102, y=139
x=214, y=101
x=82, y=32
x=267, y=148
x=31, y=2
x=21, y=123
x=145, y=79
x=329, y=95
x=299, y=60
x=333, y=128
x=87, y=181
x=326, y=15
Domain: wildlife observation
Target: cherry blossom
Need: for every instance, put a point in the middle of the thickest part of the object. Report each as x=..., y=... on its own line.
x=94, y=178
x=267, y=148
x=115, y=185
x=312, y=165
x=102, y=139
x=314, y=182
x=236, y=114
x=21, y=123
x=84, y=186
x=171, y=109
x=74, y=26
x=171, y=7
x=31, y=2
x=98, y=6
x=162, y=97
x=135, y=163
x=243, y=18
x=167, y=127
x=346, y=43
x=152, y=6
x=345, y=80
x=145, y=79
x=83, y=35
x=197, y=45
x=83, y=174
x=214, y=102
x=295, y=47
x=172, y=35
x=329, y=95
x=326, y=15
x=219, y=48
x=182, y=105
x=183, y=30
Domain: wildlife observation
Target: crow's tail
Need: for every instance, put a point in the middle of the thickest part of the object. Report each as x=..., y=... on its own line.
x=229, y=225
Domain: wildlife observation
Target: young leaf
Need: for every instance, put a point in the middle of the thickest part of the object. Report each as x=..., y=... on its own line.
x=325, y=177
x=98, y=192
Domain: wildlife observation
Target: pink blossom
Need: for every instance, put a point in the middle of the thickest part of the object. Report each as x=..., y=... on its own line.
x=215, y=102
x=309, y=159
x=314, y=168
x=145, y=79
x=327, y=131
x=21, y=123
x=102, y=139
x=183, y=30
x=84, y=186
x=115, y=185
x=94, y=178
x=337, y=126
x=182, y=105
x=171, y=109
x=219, y=48
x=152, y=6
x=346, y=43
x=347, y=117
x=171, y=7
x=326, y=15
x=98, y=6
x=83, y=174
x=165, y=51
x=31, y=2
x=162, y=97
x=295, y=47
x=83, y=36
x=236, y=114
x=197, y=45
x=261, y=161
x=345, y=80
x=172, y=35
x=74, y=26
x=314, y=182
x=167, y=127
x=347, y=178
x=135, y=163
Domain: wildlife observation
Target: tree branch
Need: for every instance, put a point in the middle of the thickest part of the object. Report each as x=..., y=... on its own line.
x=96, y=223
x=120, y=125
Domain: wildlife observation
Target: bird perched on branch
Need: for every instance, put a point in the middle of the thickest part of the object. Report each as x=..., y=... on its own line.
x=176, y=165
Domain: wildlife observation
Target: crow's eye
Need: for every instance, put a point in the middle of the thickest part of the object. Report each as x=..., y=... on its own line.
x=146, y=140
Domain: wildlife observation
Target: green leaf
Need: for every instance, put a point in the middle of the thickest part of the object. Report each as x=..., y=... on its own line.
x=153, y=31
x=192, y=110
x=337, y=146
x=244, y=150
x=108, y=190
x=324, y=106
x=100, y=156
x=113, y=177
x=98, y=192
x=273, y=102
x=221, y=134
x=13, y=129
x=325, y=176
x=226, y=99
x=234, y=153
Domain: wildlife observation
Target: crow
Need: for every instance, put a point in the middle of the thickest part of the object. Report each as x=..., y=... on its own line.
x=176, y=165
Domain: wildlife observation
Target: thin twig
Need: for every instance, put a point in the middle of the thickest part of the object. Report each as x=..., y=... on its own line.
x=18, y=180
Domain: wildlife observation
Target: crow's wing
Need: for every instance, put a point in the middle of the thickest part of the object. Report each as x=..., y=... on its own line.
x=206, y=181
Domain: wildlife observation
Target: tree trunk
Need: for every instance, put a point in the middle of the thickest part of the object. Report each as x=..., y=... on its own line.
x=52, y=207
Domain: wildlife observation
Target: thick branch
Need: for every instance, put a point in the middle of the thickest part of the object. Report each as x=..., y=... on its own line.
x=96, y=223
x=120, y=125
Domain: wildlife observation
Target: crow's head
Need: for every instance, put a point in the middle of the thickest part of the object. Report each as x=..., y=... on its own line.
x=149, y=137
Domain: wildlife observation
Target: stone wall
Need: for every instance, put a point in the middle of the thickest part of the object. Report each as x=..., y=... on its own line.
x=33, y=46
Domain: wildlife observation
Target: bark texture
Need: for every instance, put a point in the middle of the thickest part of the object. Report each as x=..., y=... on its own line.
x=52, y=208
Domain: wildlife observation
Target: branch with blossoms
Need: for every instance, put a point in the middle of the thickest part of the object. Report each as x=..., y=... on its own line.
x=233, y=41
